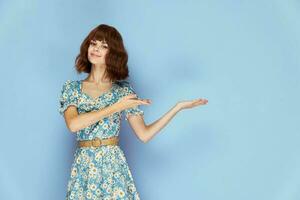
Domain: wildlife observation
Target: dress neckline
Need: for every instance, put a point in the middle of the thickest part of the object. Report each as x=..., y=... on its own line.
x=94, y=99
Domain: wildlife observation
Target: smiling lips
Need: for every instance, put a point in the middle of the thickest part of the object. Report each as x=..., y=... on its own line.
x=92, y=54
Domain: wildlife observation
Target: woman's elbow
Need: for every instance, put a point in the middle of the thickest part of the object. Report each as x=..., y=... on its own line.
x=144, y=139
x=72, y=126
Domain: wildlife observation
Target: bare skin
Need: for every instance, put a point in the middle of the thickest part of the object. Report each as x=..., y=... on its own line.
x=96, y=83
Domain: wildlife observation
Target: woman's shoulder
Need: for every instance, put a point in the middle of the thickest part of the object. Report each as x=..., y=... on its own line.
x=126, y=87
x=70, y=84
x=123, y=83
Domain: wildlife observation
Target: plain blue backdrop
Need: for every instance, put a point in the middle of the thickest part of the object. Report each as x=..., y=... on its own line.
x=243, y=56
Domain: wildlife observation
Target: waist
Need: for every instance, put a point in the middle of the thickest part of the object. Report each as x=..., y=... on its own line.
x=97, y=142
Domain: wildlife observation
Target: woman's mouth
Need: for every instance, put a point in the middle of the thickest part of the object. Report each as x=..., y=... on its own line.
x=94, y=55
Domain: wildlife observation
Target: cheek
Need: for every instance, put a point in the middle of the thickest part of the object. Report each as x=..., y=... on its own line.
x=105, y=53
x=89, y=49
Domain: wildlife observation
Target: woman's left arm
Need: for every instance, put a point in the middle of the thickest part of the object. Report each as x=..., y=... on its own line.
x=147, y=132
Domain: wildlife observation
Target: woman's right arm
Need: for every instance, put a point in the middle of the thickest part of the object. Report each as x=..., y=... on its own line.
x=76, y=122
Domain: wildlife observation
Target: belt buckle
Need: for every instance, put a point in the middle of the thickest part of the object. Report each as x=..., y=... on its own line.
x=96, y=142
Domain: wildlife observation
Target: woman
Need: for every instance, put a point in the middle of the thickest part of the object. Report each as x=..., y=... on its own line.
x=92, y=109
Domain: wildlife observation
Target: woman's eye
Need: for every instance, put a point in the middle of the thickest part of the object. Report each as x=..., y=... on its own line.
x=93, y=44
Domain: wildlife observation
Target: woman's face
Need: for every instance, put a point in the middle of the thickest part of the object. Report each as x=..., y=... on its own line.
x=97, y=51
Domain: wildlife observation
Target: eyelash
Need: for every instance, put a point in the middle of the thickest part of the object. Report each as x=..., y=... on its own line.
x=93, y=43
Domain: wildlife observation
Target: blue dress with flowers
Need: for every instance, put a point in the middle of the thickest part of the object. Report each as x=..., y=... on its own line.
x=99, y=172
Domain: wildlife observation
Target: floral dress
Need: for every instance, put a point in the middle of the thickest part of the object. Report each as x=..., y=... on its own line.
x=99, y=172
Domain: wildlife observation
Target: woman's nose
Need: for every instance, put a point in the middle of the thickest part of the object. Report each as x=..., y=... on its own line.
x=96, y=48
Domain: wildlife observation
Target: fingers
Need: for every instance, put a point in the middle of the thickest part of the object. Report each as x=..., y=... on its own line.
x=200, y=101
x=143, y=101
x=146, y=101
x=138, y=101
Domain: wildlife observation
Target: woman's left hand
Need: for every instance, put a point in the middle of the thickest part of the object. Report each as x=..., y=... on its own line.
x=191, y=103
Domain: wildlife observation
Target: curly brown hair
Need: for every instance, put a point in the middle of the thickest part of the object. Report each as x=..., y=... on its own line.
x=116, y=57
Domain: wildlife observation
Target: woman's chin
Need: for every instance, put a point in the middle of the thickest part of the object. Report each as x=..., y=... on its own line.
x=95, y=62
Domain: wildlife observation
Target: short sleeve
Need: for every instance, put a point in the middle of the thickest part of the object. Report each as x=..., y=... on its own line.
x=68, y=96
x=128, y=89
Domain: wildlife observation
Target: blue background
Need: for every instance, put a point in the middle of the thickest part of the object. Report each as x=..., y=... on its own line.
x=243, y=56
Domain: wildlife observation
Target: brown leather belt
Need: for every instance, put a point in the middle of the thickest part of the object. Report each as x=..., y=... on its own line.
x=96, y=142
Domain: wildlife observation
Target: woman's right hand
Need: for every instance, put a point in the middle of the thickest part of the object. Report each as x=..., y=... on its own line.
x=131, y=101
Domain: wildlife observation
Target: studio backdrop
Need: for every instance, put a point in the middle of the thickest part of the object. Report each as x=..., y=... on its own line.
x=243, y=56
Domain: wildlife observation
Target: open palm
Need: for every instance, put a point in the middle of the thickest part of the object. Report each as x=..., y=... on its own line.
x=191, y=103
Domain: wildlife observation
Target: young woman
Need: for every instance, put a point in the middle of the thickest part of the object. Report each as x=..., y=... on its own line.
x=93, y=108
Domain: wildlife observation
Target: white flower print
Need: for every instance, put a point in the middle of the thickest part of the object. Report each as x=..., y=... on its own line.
x=99, y=172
